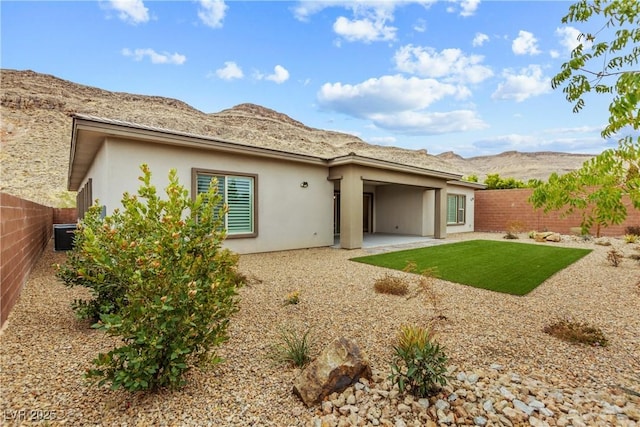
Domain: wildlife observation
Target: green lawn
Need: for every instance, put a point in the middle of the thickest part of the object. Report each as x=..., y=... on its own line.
x=509, y=267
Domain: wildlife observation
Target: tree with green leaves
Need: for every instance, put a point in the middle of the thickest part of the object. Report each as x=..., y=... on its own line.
x=493, y=181
x=608, y=184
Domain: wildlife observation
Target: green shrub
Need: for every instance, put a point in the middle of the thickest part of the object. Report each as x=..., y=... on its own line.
x=95, y=265
x=419, y=363
x=391, y=285
x=292, y=348
x=631, y=238
x=161, y=281
x=576, y=332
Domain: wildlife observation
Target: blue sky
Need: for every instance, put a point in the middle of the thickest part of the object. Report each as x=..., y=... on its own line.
x=465, y=76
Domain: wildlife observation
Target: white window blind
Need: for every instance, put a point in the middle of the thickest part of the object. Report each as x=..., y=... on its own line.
x=237, y=195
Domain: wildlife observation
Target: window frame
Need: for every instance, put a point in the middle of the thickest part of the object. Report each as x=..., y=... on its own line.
x=195, y=172
x=463, y=210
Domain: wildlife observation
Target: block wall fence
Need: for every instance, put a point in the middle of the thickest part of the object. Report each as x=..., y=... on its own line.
x=495, y=210
x=25, y=231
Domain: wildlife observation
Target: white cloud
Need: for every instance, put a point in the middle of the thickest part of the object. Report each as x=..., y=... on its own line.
x=384, y=94
x=528, y=82
x=420, y=26
x=469, y=7
x=569, y=38
x=155, y=57
x=530, y=143
x=430, y=123
x=212, y=12
x=365, y=30
x=280, y=74
x=525, y=44
x=369, y=21
x=554, y=53
x=451, y=64
x=131, y=11
x=577, y=130
x=398, y=103
x=382, y=140
x=230, y=71
x=479, y=39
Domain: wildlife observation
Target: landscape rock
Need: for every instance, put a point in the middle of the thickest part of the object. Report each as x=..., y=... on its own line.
x=338, y=366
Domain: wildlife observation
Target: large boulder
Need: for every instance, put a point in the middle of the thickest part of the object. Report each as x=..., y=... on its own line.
x=546, y=236
x=339, y=365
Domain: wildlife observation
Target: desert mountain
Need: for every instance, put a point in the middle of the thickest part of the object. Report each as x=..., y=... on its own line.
x=515, y=164
x=35, y=134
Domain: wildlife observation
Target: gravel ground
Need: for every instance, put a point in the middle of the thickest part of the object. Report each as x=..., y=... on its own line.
x=496, y=345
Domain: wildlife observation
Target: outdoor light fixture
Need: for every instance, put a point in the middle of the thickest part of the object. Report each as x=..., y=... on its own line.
x=304, y=184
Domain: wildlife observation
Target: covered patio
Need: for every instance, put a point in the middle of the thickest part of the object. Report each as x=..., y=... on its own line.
x=385, y=242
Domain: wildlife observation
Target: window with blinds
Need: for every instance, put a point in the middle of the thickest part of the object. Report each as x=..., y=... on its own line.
x=238, y=195
x=456, y=208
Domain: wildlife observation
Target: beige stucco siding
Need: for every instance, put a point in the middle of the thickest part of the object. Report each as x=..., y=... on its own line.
x=288, y=216
x=399, y=209
x=98, y=173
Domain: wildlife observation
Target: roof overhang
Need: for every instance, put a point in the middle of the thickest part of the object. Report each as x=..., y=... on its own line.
x=468, y=184
x=89, y=133
x=355, y=159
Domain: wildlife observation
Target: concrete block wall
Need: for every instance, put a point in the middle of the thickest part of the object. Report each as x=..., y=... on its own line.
x=65, y=216
x=496, y=210
x=25, y=231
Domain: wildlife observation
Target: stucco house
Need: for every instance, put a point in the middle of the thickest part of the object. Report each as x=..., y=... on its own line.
x=277, y=200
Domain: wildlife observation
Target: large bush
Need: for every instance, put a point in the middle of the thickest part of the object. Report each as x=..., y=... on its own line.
x=161, y=282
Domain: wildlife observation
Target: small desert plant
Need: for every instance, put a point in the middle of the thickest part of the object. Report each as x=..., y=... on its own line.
x=633, y=229
x=513, y=228
x=292, y=348
x=614, y=257
x=576, y=332
x=631, y=238
x=426, y=288
x=292, y=298
x=391, y=285
x=420, y=364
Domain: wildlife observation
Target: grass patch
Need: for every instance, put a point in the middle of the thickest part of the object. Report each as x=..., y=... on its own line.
x=513, y=268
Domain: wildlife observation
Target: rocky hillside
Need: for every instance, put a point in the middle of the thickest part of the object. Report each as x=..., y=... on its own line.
x=35, y=134
x=515, y=164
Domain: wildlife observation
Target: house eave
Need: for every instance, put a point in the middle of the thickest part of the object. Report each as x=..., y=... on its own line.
x=94, y=130
x=468, y=184
x=353, y=158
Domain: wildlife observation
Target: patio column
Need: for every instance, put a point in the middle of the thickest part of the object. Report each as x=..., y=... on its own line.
x=351, y=188
x=440, y=214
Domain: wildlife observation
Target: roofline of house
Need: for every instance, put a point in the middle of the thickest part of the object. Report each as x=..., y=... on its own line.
x=469, y=184
x=80, y=160
x=122, y=129
x=353, y=158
